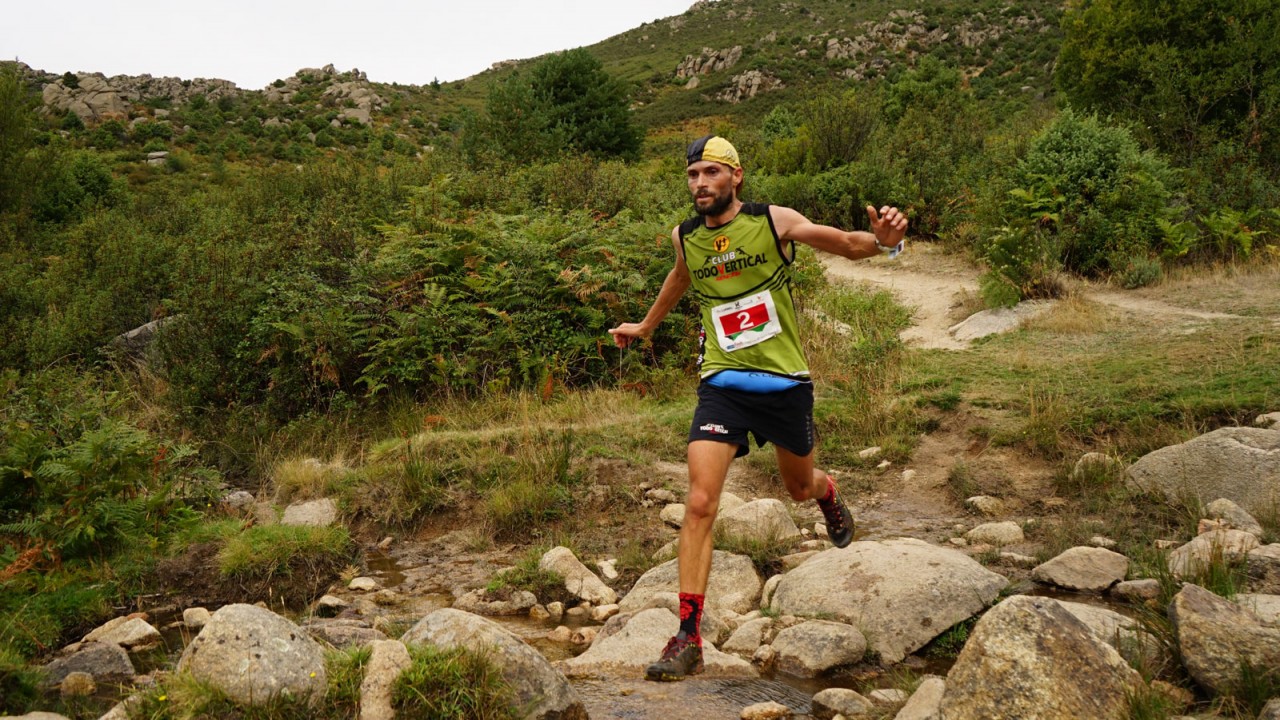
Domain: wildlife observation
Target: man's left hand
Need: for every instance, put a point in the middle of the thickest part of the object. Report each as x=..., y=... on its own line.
x=889, y=225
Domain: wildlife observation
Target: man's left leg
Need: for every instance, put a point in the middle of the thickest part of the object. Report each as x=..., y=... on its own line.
x=805, y=482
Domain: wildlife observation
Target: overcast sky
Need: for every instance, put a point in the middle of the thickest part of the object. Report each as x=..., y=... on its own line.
x=255, y=42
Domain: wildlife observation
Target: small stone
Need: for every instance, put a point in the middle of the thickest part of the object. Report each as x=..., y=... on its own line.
x=997, y=533
x=604, y=612
x=385, y=542
x=883, y=465
x=764, y=655
x=908, y=475
x=766, y=711
x=195, y=617
x=366, y=584
x=1206, y=525
x=555, y=610
x=77, y=684
x=330, y=605
x=1018, y=559
x=608, y=568
x=959, y=542
x=986, y=505
x=1166, y=544
x=820, y=530
x=887, y=696
x=662, y=495
x=869, y=452
x=584, y=635
x=561, y=634
x=673, y=515
x=577, y=614
x=538, y=613
x=839, y=702
x=1137, y=591
x=1102, y=542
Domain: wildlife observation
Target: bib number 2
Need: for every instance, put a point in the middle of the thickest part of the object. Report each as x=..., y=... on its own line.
x=746, y=321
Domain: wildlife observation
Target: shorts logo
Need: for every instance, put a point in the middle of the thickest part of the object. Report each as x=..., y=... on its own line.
x=713, y=428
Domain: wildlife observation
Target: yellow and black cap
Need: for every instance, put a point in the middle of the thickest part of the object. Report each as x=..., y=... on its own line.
x=715, y=149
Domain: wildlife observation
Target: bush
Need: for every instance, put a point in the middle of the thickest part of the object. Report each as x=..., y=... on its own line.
x=108, y=486
x=1093, y=193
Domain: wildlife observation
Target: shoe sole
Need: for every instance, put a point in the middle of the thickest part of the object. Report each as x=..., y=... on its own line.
x=666, y=676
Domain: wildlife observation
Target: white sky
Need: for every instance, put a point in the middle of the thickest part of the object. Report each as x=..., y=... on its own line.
x=252, y=43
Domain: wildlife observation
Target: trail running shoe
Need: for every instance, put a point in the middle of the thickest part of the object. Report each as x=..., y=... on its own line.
x=839, y=519
x=680, y=658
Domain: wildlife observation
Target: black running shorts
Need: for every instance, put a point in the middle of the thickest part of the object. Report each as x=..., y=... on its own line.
x=783, y=418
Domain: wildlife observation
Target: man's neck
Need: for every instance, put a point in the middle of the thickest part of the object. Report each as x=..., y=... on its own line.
x=725, y=217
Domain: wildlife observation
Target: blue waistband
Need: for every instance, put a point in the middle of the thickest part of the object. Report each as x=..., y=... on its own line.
x=748, y=381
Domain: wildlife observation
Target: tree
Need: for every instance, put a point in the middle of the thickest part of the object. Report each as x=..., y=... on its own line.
x=566, y=102
x=17, y=137
x=1187, y=73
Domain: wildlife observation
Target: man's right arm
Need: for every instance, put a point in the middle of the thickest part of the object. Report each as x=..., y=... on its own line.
x=673, y=289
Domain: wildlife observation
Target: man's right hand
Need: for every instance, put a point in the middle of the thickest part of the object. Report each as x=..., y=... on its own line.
x=624, y=334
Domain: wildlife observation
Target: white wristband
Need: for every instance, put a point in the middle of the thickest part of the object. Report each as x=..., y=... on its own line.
x=894, y=250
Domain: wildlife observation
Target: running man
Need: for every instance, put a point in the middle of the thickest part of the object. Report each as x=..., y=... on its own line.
x=736, y=257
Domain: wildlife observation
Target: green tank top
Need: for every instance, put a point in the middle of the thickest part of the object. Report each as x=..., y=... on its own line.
x=741, y=277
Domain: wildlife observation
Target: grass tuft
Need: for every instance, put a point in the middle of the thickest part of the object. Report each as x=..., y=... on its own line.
x=454, y=684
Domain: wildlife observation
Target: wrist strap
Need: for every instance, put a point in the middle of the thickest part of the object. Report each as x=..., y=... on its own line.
x=892, y=250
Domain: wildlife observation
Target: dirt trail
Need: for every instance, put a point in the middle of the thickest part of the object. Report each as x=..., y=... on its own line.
x=925, y=279
x=936, y=285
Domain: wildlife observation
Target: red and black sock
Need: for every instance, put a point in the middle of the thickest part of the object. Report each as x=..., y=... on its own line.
x=826, y=500
x=691, y=616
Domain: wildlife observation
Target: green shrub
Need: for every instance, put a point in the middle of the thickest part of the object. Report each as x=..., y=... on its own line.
x=1095, y=191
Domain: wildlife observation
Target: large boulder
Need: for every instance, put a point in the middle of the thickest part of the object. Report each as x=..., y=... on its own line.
x=387, y=659
x=1124, y=634
x=1263, y=565
x=900, y=593
x=537, y=685
x=1230, y=546
x=734, y=584
x=1090, y=569
x=925, y=702
x=577, y=578
x=1265, y=607
x=749, y=637
x=638, y=643
x=1216, y=638
x=255, y=656
x=106, y=662
x=812, y=648
x=312, y=513
x=1029, y=657
x=127, y=632
x=1238, y=463
x=763, y=520
x=1233, y=515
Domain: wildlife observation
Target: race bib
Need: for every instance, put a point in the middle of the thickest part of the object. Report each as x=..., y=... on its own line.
x=746, y=321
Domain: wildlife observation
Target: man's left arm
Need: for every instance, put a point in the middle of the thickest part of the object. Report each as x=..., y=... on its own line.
x=888, y=228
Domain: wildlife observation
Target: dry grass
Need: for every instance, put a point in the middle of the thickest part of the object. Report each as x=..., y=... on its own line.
x=1072, y=316
x=306, y=478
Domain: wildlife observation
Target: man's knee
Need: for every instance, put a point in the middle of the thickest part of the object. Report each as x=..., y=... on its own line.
x=700, y=505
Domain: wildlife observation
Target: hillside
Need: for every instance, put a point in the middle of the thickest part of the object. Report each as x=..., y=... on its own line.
x=730, y=59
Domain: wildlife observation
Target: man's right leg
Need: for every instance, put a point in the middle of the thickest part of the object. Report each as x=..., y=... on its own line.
x=708, y=465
